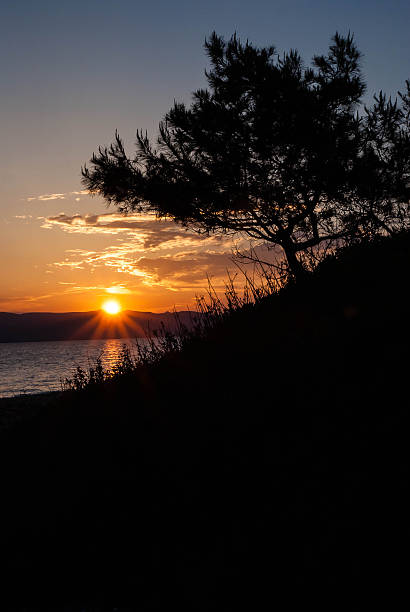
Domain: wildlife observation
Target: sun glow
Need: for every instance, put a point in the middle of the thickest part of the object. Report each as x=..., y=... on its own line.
x=111, y=307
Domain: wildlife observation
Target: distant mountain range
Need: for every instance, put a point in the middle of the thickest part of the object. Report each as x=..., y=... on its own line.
x=37, y=326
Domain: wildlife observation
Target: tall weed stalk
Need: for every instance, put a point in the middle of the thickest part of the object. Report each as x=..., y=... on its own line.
x=211, y=310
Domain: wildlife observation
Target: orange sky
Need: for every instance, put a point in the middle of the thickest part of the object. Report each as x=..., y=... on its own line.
x=73, y=74
x=68, y=252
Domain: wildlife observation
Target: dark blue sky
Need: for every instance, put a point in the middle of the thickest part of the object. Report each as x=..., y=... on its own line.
x=73, y=72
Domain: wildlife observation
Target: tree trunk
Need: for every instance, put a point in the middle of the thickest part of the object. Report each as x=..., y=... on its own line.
x=296, y=268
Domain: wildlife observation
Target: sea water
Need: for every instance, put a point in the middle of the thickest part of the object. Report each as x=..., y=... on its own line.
x=37, y=367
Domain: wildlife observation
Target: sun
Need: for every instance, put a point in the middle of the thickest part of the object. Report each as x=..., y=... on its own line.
x=111, y=307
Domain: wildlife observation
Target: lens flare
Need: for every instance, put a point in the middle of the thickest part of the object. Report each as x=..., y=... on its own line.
x=111, y=307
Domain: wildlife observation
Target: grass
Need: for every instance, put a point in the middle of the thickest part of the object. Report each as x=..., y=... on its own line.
x=212, y=312
x=266, y=290
x=263, y=454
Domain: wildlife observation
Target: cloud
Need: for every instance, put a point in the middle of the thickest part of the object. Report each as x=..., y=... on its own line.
x=150, y=251
x=72, y=265
x=82, y=288
x=152, y=230
x=118, y=290
x=57, y=196
x=180, y=268
x=186, y=270
x=48, y=196
x=146, y=231
x=36, y=298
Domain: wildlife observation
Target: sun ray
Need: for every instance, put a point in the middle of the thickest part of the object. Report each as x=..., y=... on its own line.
x=102, y=325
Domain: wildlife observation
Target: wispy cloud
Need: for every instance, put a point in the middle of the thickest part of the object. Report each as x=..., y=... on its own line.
x=72, y=265
x=57, y=196
x=36, y=298
x=146, y=231
x=180, y=269
x=188, y=270
x=118, y=290
x=150, y=251
x=47, y=196
x=75, y=288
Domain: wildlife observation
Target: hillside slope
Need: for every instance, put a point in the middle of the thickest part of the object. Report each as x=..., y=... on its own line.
x=271, y=457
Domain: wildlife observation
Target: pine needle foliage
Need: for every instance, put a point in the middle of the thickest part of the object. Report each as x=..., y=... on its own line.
x=280, y=152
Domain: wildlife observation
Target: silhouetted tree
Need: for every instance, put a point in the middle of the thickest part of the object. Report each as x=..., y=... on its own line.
x=272, y=149
x=380, y=202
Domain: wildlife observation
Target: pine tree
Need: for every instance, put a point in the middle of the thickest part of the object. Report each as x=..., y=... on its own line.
x=272, y=149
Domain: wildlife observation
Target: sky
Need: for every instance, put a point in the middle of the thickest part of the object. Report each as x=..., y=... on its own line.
x=74, y=72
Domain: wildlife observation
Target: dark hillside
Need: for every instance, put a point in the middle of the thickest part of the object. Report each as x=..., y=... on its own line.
x=268, y=459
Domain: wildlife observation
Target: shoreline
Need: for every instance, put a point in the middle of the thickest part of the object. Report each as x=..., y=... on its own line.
x=29, y=396
x=18, y=407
